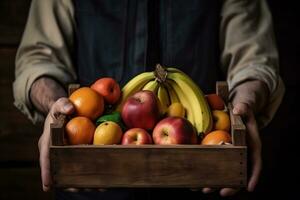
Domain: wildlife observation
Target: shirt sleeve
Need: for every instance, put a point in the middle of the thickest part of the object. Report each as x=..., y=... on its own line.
x=45, y=50
x=249, y=50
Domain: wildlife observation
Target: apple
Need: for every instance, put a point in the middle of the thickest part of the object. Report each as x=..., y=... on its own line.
x=215, y=102
x=136, y=136
x=108, y=88
x=174, y=130
x=141, y=110
x=221, y=120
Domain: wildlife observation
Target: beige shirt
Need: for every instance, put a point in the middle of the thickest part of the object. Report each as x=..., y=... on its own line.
x=246, y=40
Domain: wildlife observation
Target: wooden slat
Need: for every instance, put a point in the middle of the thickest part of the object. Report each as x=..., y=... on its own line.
x=13, y=16
x=189, y=166
x=57, y=131
x=23, y=183
x=238, y=129
x=222, y=90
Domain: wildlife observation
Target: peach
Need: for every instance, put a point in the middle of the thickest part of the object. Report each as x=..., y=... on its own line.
x=215, y=102
x=221, y=120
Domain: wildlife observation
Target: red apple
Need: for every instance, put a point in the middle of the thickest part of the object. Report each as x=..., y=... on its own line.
x=108, y=88
x=215, y=102
x=136, y=136
x=141, y=110
x=174, y=130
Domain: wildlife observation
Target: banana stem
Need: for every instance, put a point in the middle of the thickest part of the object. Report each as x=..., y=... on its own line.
x=160, y=73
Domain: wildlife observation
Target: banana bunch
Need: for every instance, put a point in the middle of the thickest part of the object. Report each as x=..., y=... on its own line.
x=172, y=85
x=192, y=98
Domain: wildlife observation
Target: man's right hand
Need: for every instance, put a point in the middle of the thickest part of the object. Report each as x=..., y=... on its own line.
x=61, y=106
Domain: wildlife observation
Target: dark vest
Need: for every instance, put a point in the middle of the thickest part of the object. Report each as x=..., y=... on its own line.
x=121, y=38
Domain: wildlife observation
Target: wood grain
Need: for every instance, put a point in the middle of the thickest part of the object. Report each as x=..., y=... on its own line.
x=148, y=166
x=222, y=90
x=238, y=129
x=108, y=166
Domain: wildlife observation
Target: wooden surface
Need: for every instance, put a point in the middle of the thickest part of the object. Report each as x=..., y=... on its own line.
x=190, y=166
x=238, y=128
x=222, y=90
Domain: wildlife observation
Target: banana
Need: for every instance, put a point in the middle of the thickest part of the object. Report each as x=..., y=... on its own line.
x=208, y=120
x=134, y=85
x=202, y=114
x=183, y=99
x=172, y=94
x=152, y=86
x=163, y=97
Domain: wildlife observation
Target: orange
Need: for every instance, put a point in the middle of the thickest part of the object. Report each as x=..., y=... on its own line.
x=176, y=110
x=87, y=102
x=108, y=133
x=108, y=88
x=80, y=130
x=216, y=137
x=221, y=120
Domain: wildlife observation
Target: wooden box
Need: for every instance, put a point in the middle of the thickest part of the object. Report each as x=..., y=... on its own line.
x=188, y=166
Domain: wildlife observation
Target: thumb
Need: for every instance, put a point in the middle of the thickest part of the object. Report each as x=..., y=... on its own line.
x=62, y=106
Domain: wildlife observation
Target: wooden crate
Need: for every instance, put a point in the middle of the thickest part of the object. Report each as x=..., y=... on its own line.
x=159, y=166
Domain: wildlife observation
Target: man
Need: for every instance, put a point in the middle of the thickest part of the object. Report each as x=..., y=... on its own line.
x=78, y=41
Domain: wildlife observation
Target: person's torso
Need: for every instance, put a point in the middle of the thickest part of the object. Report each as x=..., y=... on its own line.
x=123, y=38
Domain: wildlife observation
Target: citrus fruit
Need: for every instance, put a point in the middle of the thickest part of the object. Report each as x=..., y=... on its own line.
x=108, y=88
x=108, y=133
x=114, y=117
x=87, y=102
x=216, y=137
x=176, y=110
x=80, y=130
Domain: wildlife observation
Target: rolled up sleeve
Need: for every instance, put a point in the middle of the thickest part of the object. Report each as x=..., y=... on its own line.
x=249, y=50
x=45, y=50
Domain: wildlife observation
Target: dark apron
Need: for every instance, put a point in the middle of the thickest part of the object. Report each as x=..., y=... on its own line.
x=116, y=38
x=122, y=38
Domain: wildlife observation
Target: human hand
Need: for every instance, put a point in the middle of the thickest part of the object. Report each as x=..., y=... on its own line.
x=61, y=106
x=243, y=105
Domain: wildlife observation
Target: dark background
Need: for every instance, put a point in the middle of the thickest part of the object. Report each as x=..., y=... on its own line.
x=19, y=170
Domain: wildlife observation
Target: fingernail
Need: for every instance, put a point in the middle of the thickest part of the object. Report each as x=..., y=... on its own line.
x=67, y=107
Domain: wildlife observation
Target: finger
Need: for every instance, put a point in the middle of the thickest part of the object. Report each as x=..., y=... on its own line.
x=225, y=192
x=240, y=109
x=45, y=167
x=208, y=190
x=194, y=189
x=255, y=147
x=256, y=170
x=62, y=106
